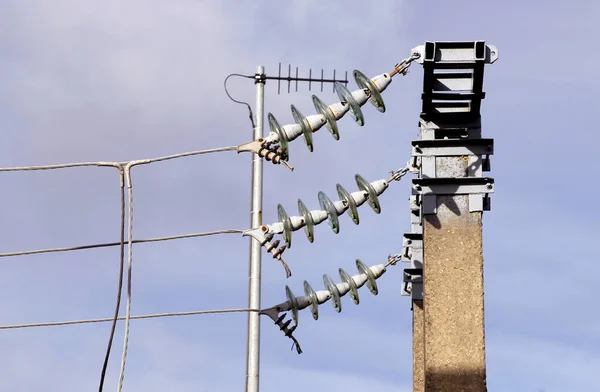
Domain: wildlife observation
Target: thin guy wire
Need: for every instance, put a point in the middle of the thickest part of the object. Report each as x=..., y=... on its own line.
x=109, y=244
x=137, y=317
x=120, y=284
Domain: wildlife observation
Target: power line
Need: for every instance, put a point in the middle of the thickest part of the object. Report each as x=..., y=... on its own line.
x=117, y=164
x=137, y=317
x=124, y=177
x=58, y=166
x=181, y=155
x=110, y=244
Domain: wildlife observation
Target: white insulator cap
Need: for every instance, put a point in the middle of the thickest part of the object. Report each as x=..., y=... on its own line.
x=318, y=216
x=323, y=296
x=359, y=279
x=359, y=197
x=303, y=302
x=343, y=288
x=316, y=121
x=360, y=96
x=382, y=81
x=378, y=270
x=380, y=186
x=297, y=222
x=292, y=131
x=340, y=207
x=338, y=109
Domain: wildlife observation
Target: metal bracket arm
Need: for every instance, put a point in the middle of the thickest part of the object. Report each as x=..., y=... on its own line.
x=453, y=186
x=456, y=52
x=452, y=147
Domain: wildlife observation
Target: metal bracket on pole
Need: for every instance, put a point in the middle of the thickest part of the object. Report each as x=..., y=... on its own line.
x=412, y=251
x=452, y=147
x=413, y=283
x=456, y=54
x=416, y=224
x=478, y=189
x=412, y=243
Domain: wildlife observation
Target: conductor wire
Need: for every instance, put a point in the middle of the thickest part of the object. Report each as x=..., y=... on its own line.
x=109, y=244
x=137, y=317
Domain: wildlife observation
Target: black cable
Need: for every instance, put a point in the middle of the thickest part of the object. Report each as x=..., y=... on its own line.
x=119, y=290
x=240, y=102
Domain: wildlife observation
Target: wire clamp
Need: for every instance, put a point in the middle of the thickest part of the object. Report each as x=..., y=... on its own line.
x=268, y=150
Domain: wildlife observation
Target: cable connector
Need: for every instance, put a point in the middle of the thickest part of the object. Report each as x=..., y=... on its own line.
x=393, y=259
x=268, y=150
x=273, y=313
x=264, y=235
x=402, y=67
x=398, y=174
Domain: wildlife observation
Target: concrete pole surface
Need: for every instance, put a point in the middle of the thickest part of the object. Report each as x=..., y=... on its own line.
x=454, y=339
x=418, y=347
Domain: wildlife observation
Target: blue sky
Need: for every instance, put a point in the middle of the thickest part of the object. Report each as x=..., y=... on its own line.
x=114, y=81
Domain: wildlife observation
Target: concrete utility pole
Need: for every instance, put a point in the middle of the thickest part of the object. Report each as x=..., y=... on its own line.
x=254, y=273
x=444, y=247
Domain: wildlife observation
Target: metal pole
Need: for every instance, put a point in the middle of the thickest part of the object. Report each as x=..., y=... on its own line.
x=253, y=342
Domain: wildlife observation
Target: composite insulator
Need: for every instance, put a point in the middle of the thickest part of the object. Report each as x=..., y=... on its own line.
x=370, y=90
x=330, y=210
x=333, y=291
